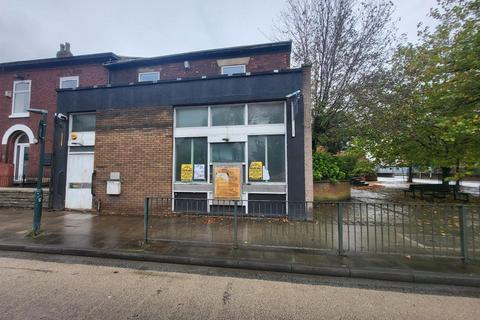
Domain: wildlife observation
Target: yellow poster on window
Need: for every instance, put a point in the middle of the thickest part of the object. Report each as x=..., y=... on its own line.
x=186, y=173
x=255, y=170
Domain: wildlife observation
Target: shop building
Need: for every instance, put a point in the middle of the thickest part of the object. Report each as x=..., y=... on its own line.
x=168, y=126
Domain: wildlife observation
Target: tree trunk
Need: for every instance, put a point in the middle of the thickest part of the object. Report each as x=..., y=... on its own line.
x=445, y=174
x=457, y=171
x=410, y=174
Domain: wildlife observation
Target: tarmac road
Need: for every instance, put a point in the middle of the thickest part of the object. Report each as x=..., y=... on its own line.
x=39, y=286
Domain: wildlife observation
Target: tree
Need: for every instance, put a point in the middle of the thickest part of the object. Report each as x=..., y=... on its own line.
x=344, y=41
x=429, y=111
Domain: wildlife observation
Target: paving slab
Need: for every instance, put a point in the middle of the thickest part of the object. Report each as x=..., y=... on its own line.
x=121, y=237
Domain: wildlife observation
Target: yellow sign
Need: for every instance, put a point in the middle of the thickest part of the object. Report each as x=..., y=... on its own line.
x=255, y=171
x=73, y=136
x=228, y=182
x=186, y=173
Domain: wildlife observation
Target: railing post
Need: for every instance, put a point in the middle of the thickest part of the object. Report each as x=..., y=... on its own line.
x=462, y=217
x=340, y=229
x=235, y=226
x=145, y=219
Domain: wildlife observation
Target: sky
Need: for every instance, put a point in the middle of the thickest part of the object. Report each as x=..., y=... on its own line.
x=33, y=29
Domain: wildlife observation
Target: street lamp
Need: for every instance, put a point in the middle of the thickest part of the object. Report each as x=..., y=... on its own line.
x=37, y=209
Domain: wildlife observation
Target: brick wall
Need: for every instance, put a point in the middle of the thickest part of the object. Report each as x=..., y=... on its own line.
x=138, y=143
x=45, y=81
x=198, y=68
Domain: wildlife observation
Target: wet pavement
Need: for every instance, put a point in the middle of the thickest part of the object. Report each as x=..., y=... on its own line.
x=125, y=233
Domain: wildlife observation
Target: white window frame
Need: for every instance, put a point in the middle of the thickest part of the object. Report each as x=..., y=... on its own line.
x=76, y=78
x=149, y=72
x=21, y=114
x=234, y=65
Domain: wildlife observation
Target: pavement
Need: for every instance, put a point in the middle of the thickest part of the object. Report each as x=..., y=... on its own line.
x=120, y=237
x=43, y=286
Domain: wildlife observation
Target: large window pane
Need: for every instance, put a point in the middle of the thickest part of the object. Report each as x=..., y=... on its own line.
x=191, y=151
x=228, y=152
x=265, y=113
x=22, y=102
x=276, y=158
x=270, y=150
x=191, y=117
x=83, y=122
x=228, y=115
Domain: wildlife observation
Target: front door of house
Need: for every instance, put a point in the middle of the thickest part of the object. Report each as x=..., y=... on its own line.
x=21, y=161
x=79, y=179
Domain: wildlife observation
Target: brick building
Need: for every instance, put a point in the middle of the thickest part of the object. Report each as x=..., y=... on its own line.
x=167, y=126
x=33, y=84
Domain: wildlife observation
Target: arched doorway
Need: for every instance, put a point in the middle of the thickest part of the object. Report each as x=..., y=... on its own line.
x=21, y=157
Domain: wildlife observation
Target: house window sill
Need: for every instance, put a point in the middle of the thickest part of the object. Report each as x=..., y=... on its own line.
x=19, y=115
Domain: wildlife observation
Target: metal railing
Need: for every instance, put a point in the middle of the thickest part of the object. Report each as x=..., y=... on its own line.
x=25, y=182
x=375, y=228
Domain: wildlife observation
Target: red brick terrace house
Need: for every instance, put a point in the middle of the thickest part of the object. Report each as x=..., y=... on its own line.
x=33, y=84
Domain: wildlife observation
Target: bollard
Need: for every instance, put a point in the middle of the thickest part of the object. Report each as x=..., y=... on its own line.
x=235, y=226
x=145, y=219
x=340, y=230
x=462, y=218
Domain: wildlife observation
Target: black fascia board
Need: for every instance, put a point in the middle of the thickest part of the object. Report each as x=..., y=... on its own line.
x=54, y=62
x=148, y=83
x=224, y=53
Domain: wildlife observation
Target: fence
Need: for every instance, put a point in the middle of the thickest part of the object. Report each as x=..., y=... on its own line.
x=25, y=182
x=376, y=228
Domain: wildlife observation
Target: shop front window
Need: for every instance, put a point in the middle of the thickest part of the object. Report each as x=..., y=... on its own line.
x=190, y=159
x=266, y=158
x=230, y=115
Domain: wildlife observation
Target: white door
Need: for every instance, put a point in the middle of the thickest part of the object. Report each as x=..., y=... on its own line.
x=79, y=180
x=21, y=157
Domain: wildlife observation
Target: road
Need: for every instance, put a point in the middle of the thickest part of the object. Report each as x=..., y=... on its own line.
x=36, y=286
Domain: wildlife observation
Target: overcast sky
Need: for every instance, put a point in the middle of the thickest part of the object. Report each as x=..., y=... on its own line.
x=31, y=29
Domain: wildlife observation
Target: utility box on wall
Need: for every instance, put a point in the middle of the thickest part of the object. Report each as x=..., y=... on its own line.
x=114, y=185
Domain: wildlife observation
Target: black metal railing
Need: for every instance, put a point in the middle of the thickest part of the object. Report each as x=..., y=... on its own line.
x=441, y=230
x=24, y=182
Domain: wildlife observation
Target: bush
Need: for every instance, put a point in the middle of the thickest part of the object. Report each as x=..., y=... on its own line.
x=326, y=167
x=363, y=167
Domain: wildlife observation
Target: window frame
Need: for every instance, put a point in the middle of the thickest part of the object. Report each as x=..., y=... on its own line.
x=192, y=160
x=232, y=105
x=148, y=72
x=232, y=66
x=190, y=108
x=25, y=114
x=72, y=115
x=69, y=78
x=266, y=164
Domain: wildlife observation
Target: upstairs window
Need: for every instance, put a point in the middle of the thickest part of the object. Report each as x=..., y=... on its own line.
x=230, y=70
x=69, y=82
x=21, y=97
x=148, y=76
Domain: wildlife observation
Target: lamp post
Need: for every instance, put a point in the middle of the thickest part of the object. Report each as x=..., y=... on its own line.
x=37, y=209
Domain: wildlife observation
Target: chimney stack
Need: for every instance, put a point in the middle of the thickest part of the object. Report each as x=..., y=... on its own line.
x=64, y=50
